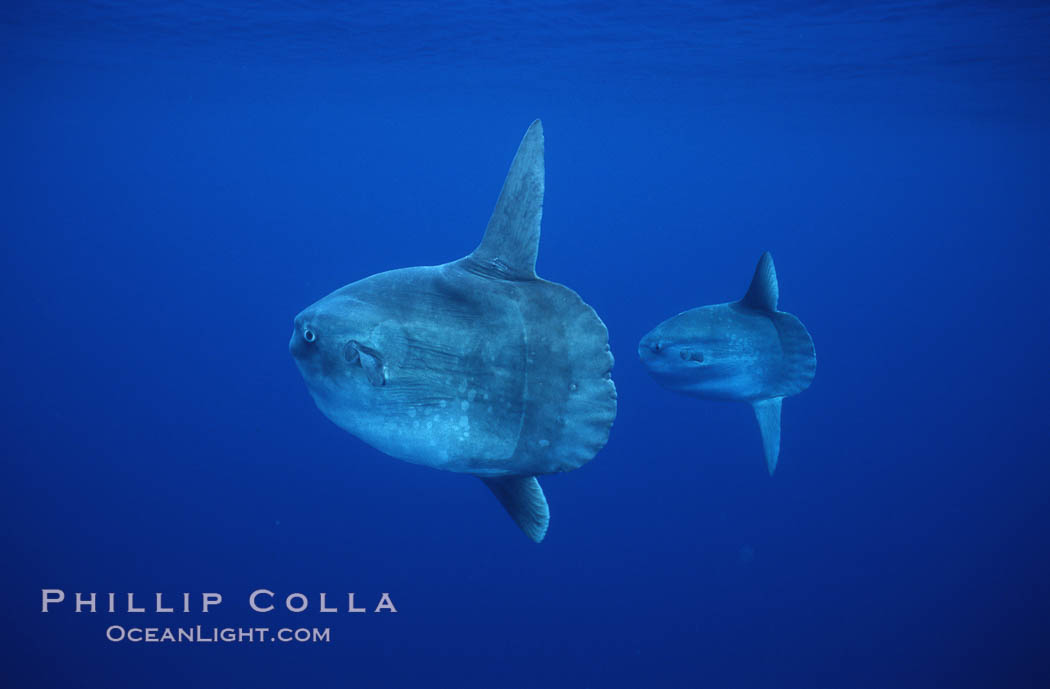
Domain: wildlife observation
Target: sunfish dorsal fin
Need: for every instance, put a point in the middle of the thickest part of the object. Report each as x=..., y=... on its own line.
x=508, y=249
x=764, y=290
x=524, y=500
x=768, y=414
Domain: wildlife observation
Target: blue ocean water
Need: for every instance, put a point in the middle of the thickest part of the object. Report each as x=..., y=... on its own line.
x=180, y=179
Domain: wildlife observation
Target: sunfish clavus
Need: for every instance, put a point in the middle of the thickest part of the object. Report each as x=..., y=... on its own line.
x=476, y=366
x=745, y=350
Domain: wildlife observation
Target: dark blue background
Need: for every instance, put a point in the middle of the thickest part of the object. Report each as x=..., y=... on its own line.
x=178, y=182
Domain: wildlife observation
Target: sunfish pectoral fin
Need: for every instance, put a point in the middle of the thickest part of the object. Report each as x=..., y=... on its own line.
x=367, y=359
x=508, y=249
x=768, y=414
x=524, y=501
x=764, y=291
x=373, y=369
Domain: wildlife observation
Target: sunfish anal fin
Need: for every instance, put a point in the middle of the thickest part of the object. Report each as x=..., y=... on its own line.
x=768, y=414
x=508, y=249
x=764, y=291
x=524, y=501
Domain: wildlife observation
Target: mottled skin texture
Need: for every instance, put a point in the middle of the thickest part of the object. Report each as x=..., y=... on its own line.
x=480, y=375
x=724, y=352
x=475, y=366
x=745, y=351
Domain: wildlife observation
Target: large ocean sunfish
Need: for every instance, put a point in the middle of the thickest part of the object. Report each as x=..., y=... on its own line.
x=745, y=350
x=476, y=366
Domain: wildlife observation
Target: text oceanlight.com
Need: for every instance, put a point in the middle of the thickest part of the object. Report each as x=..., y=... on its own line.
x=199, y=634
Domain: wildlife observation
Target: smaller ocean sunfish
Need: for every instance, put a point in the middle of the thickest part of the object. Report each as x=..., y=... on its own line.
x=745, y=350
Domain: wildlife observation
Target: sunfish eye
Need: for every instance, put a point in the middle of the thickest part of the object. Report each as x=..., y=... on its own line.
x=684, y=354
x=309, y=335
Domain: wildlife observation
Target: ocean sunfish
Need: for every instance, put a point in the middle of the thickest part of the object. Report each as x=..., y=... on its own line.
x=476, y=366
x=745, y=350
